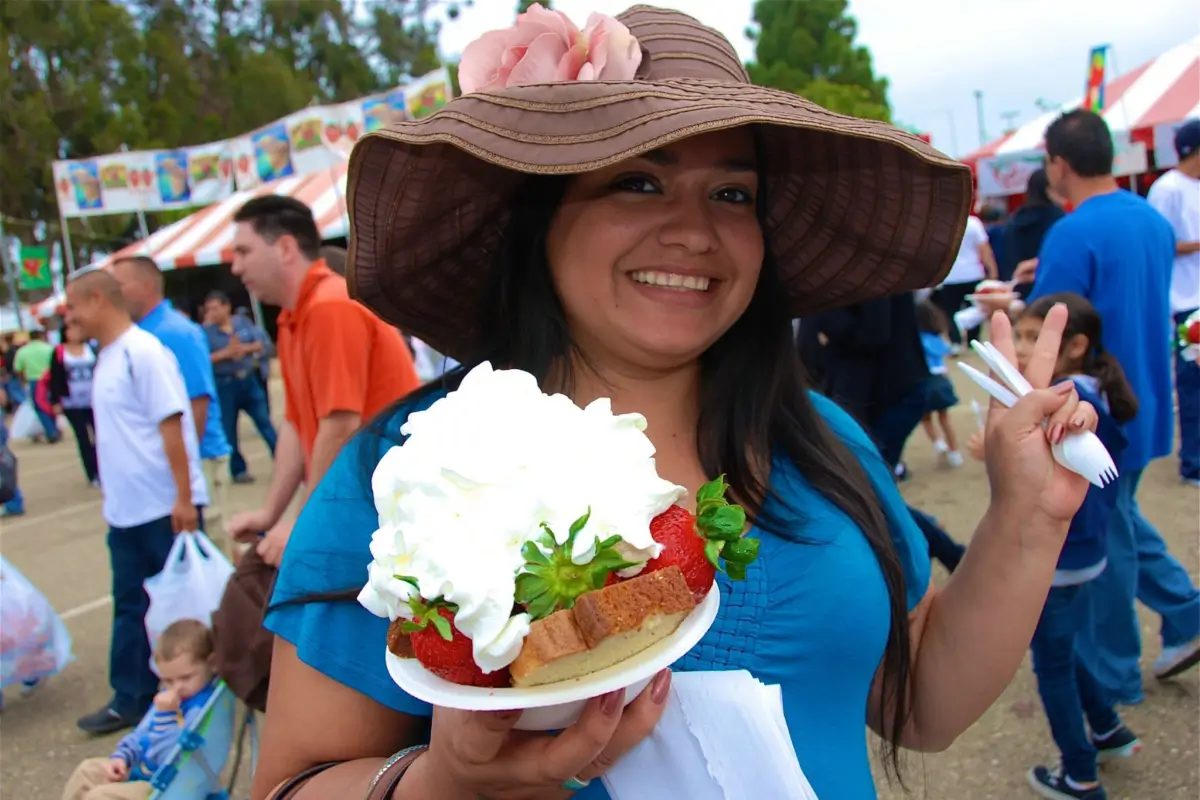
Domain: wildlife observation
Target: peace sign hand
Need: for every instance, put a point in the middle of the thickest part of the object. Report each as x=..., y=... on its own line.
x=1025, y=479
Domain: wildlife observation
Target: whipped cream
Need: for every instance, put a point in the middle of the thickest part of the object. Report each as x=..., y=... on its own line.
x=480, y=471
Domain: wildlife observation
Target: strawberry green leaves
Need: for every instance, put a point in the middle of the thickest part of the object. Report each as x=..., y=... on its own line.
x=551, y=581
x=721, y=525
x=426, y=613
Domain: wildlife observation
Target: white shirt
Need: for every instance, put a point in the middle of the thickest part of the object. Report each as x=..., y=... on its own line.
x=968, y=267
x=1177, y=197
x=79, y=377
x=136, y=384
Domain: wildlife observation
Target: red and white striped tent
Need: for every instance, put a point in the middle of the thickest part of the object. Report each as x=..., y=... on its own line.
x=1160, y=92
x=205, y=238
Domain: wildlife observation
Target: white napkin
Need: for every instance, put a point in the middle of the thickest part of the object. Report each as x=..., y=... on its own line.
x=722, y=736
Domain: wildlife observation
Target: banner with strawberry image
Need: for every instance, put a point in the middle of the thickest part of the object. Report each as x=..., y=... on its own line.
x=35, y=268
x=307, y=141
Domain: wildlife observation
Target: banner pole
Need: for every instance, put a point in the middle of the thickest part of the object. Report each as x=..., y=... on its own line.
x=68, y=250
x=10, y=276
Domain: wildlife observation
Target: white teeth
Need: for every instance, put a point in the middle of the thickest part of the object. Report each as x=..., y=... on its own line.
x=672, y=280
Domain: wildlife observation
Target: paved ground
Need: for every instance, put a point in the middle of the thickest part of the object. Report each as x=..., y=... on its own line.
x=60, y=546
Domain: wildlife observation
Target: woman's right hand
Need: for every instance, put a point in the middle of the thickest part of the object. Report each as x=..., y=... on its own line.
x=478, y=754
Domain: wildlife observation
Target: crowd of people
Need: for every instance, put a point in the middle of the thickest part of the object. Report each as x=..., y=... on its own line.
x=648, y=280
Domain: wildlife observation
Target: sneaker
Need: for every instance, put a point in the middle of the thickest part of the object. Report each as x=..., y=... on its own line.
x=7, y=512
x=95, y=483
x=1177, y=659
x=104, y=721
x=1121, y=743
x=1190, y=481
x=940, y=447
x=29, y=687
x=1052, y=783
x=954, y=459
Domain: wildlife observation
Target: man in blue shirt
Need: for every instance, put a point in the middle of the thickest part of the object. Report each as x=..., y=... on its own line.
x=1118, y=252
x=142, y=286
x=235, y=349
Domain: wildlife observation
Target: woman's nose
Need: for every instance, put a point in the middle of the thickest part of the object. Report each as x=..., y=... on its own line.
x=689, y=226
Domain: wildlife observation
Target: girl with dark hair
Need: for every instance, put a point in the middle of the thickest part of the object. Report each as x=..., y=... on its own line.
x=1028, y=226
x=940, y=396
x=1070, y=692
x=671, y=232
x=70, y=390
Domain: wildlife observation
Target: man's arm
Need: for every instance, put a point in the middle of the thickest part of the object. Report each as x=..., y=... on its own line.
x=171, y=430
x=287, y=474
x=200, y=415
x=332, y=432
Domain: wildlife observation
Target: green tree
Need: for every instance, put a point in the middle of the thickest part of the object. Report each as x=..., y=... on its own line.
x=807, y=47
x=80, y=79
x=523, y=5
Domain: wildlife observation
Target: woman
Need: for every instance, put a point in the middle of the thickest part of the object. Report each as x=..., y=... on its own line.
x=562, y=277
x=974, y=262
x=70, y=391
x=1029, y=226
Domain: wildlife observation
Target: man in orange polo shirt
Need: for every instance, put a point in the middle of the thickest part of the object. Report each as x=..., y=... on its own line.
x=341, y=364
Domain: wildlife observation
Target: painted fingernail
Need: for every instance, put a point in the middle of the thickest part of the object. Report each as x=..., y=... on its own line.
x=1078, y=422
x=658, y=689
x=1064, y=387
x=612, y=703
x=1056, y=433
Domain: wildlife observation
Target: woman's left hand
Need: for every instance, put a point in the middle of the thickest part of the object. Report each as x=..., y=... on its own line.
x=1025, y=478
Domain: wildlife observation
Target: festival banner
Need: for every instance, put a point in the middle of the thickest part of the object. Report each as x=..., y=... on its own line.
x=35, y=267
x=313, y=139
x=1000, y=176
x=1093, y=90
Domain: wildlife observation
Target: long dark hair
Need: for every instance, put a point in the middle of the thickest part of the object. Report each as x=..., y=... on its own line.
x=750, y=410
x=1083, y=319
x=1037, y=190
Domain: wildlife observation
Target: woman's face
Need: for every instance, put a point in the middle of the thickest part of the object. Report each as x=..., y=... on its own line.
x=74, y=334
x=656, y=257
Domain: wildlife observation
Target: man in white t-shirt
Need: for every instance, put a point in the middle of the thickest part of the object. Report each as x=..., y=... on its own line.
x=975, y=262
x=1176, y=195
x=153, y=481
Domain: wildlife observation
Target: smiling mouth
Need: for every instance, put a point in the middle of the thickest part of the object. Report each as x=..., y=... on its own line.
x=672, y=280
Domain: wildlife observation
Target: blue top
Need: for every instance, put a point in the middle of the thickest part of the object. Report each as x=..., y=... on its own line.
x=145, y=747
x=1118, y=252
x=936, y=350
x=811, y=617
x=1086, y=546
x=219, y=340
x=186, y=340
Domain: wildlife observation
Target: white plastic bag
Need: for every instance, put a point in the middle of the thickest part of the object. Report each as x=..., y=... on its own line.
x=34, y=643
x=25, y=423
x=190, y=585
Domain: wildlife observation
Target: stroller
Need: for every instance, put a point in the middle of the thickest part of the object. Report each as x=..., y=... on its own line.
x=192, y=770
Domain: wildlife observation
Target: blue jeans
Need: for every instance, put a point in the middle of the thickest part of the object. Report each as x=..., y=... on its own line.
x=49, y=423
x=1068, y=690
x=239, y=394
x=1139, y=568
x=136, y=554
x=942, y=548
x=17, y=504
x=16, y=391
x=1187, y=391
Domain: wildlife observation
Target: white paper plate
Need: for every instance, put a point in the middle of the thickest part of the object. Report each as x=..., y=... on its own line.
x=557, y=705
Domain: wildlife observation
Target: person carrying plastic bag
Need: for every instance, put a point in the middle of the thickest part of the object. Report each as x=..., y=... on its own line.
x=34, y=643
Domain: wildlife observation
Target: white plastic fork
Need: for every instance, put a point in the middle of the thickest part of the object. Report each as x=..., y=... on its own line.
x=1081, y=452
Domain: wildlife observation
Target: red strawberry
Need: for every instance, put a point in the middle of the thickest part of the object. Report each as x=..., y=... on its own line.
x=550, y=581
x=1193, y=332
x=698, y=544
x=443, y=649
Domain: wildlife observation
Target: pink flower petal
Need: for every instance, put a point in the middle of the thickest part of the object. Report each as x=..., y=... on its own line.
x=540, y=62
x=480, y=60
x=547, y=21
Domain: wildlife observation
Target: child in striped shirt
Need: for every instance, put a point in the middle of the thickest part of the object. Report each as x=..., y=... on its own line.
x=183, y=656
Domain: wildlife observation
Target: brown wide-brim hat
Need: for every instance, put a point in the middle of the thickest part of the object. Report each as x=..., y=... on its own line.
x=857, y=209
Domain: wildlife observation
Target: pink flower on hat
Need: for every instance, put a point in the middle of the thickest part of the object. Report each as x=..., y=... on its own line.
x=544, y=46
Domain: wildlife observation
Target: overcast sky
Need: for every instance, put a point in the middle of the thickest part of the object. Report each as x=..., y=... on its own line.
x=936, y=53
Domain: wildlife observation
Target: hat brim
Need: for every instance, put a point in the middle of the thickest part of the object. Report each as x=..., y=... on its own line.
x=857, y=209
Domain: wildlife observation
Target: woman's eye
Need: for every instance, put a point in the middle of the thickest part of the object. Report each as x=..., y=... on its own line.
x=636, y=183
x=733, y=195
